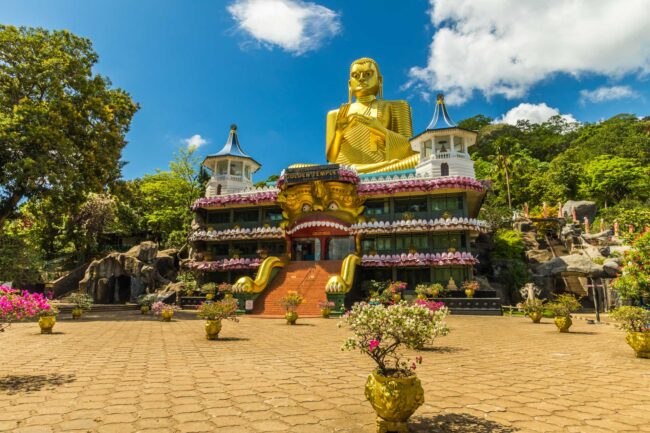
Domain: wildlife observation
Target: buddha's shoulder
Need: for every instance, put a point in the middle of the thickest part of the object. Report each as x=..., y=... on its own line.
x=397, y=103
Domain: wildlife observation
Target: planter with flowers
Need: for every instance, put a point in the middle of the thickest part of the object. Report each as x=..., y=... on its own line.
x=165, y=311
x=470, y=287
x=429, y=290
x=81, y=301
x=145, y=302
x=395, y=289
x=17, y=305
x=393, y=389
x=290, y=302
x=534, y=308
x=326, y=308
x=214, y=313
x=562, y=307
x=636, y=321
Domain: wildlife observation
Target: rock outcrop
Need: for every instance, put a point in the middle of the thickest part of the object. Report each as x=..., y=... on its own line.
x=583, y=209
x=576, y=264
x=122, y=277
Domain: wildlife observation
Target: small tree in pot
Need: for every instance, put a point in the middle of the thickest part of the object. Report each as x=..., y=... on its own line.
x=562, y=307
x=393, y=389
x=214, y=313
x=82, y=302
x=636, y=321
x=291, y=301
x=534, y=308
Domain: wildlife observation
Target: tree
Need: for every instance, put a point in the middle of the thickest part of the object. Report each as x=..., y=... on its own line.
x=504, y=161
x=609, y=179
x=97, y=213
x=168, y=196
x=475, y=123
x=62, y=128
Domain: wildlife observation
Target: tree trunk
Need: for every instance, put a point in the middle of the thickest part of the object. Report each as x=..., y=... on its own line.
x=9, y=205
x=508, y=187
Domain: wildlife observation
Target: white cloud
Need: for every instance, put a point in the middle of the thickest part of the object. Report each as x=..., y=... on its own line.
x=194, y=141
x=534, y=113
x=503, y=47
x=602, y=94
x=293, y=25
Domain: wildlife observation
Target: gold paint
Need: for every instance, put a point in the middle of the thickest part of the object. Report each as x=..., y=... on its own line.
x=212, y=329
x=262, y=278
x=394, y=400
x=563, y=323
x=332, y=198
x=371, y=134
x=640, y=342
x=46, y=324
x=343, y=283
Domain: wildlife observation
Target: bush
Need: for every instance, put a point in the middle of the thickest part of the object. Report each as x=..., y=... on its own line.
x=220, y=310
x=632, y=319
x=564, y=305
x=634, y=280
x=80, y=300
x=508, y=245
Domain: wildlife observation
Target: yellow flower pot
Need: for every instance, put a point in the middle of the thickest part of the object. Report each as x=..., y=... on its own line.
x=77, y=313
x=640, y=342
x=469, y=293
x=397, y=297
x=291, y=317
x=212, y=329
x=144, y=309
x=167, y=315
x=46, y=323
x=325, y=312
x=422, y=297
x=563, y=323
x=394, y=400
x=535, y=316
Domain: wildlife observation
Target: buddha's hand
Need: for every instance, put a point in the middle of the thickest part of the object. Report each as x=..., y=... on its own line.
x=371, y=122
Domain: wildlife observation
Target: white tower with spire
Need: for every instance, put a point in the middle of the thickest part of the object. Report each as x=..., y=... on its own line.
x=443, y=146
x=232, y=169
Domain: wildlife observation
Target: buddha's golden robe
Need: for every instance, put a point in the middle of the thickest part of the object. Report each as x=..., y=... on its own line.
x=365, y=149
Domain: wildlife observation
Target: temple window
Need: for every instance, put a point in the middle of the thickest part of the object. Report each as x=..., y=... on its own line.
x=458, y=145
x=246, y=216
x=444, y=169
x=222, y=167
x=414, y=204
x=218, y=217
x=442, y=145
x=376, y=207
x=273, y=214
x=235, y=168
x=427, y=149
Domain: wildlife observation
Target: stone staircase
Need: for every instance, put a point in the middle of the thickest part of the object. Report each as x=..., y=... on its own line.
x=305, y=277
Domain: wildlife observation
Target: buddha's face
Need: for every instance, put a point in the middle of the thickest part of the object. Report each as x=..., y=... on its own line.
x=364, y=79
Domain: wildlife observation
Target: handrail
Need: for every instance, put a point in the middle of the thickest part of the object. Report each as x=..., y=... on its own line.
x=262, y=279
x=343, y=283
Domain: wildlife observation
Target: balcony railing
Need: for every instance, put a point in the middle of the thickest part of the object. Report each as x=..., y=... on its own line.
x=446, y=155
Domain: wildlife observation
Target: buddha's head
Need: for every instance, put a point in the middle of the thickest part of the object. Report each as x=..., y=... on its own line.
x=365, y=78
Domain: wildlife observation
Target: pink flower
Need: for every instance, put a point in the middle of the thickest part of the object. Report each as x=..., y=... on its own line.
x=373, y=345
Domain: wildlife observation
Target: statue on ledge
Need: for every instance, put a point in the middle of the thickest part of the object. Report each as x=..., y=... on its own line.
x=371, y=134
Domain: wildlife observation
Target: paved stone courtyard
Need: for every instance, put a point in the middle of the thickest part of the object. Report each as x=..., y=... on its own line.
x=121, y=372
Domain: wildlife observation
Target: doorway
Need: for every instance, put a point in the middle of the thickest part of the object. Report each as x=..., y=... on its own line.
x=306, y=249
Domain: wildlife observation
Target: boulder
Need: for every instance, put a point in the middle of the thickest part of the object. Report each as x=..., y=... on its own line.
x=611, y=268
x=145, y=252
x=539, y=256
x=576, y=264
x=583, y=209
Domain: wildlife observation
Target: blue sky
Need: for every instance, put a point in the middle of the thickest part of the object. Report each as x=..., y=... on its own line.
x=197, y=66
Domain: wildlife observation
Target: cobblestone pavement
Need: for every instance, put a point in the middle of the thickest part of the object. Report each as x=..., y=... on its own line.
x=122, y=372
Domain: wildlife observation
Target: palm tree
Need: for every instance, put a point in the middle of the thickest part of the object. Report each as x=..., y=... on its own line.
x=505, y=161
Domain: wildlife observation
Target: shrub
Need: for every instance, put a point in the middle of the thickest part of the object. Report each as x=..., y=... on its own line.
x=146, y=300
x=634, y=279
x=508, y=244
x=632, y=319
x=80, y=300
x=16, y=305
x=292, y=300
x=158, y=307
x=564, y=305
x=383, y=332
x=220, y=310
x=533, y=305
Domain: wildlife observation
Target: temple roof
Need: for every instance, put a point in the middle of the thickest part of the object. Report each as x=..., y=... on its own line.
x=441, y=115
x=232, y=147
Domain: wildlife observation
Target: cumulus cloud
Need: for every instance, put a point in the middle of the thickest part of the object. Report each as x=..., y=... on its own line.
x=503, y=47
x=293, y=25
x=534, y=113
x=194, y=141
x=603, y=94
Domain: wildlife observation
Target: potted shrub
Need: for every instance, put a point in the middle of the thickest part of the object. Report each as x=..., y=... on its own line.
x=209, y=290
x=145, y=302
x=290, y=302
x=225, y=289
x=165, y=311
x=393, y=389
x=81, y=301
x=470, y=287
x=214, y=313
x=16, y=305
x=534, y=308
x=562, y=307
x=326, y=308
x=423, y=291
x=395, y=289
x=636, y=321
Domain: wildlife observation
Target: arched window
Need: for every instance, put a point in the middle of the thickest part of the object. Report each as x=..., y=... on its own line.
x=219, y=189
x=444, y=169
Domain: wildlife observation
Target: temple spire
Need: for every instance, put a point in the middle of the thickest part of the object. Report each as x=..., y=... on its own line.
x=440, y=112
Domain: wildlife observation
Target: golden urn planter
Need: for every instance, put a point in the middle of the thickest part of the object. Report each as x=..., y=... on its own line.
x=535, y=316
x=422, y=297
x=212, y=329
x=77, y=313
x=563, y=323
x=291, y=317
x=46, y=323
x=325, y=312
x=397, y=297
x=144, y=309
x=167, y=315
x=640, y=342
x=394, y=400
x=469, y=293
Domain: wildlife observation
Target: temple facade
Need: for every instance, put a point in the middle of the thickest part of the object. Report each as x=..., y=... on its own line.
x=327, y=230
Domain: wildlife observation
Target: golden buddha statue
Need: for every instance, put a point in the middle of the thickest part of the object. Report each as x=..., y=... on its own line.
x=371, y=134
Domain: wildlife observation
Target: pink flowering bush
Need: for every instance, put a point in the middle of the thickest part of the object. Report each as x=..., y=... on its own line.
x=16, y=305
x=382, y=332
x=158, y=307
